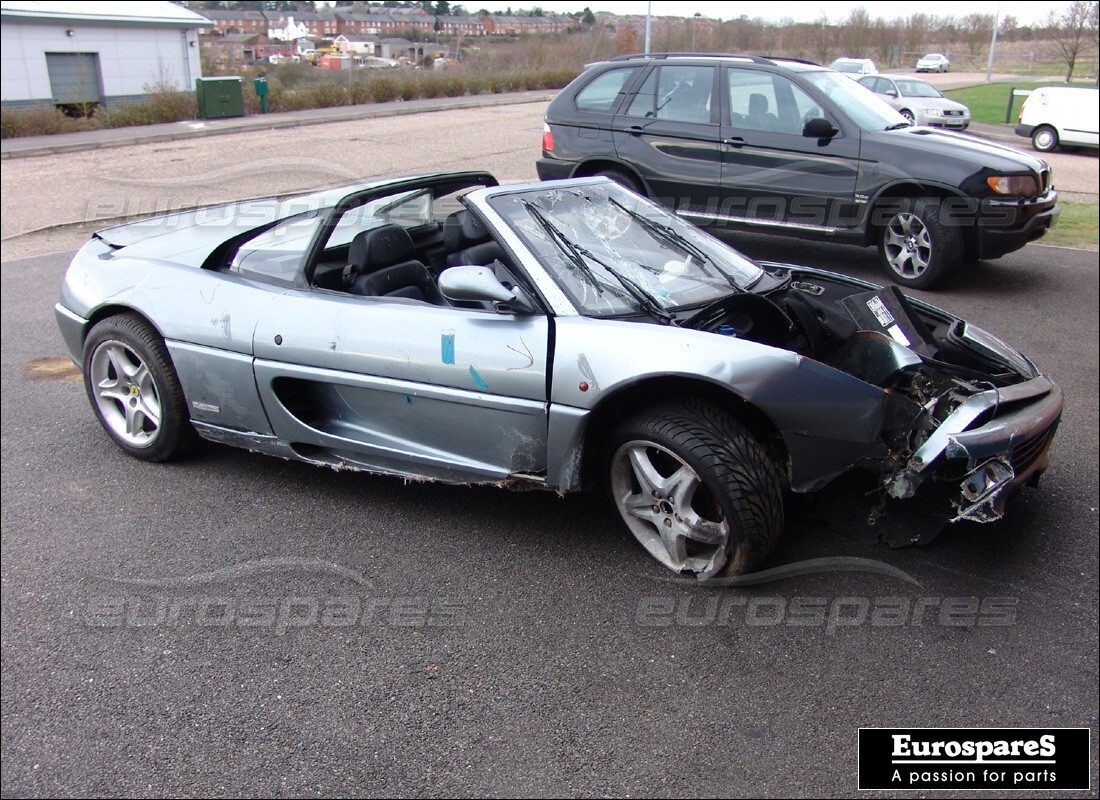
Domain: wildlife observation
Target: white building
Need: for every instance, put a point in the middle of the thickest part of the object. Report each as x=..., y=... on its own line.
x=63, y=53
x=292, y=31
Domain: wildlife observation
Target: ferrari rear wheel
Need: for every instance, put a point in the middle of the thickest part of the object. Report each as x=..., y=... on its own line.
x=134, y=390
x=696, y=489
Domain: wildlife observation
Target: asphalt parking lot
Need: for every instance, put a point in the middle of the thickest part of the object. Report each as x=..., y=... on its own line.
x=239, y=625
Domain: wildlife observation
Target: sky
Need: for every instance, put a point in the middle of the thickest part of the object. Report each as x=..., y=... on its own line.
x=1025, y=12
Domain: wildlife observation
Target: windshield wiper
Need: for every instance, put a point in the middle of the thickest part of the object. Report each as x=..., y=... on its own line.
x=670, y=236
x=577, y=255
x=568, y=249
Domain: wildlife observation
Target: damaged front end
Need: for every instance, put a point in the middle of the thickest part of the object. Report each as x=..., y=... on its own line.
x=965, y=421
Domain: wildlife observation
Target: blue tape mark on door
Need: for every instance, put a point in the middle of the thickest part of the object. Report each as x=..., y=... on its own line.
x=478, y=380
x=447, y=345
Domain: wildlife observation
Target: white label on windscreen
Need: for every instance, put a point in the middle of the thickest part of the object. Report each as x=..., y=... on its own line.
x=881, y=312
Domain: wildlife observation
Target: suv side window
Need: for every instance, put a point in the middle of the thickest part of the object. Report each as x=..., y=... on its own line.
x=766, y=102
x=676, y=94
x=602, y=93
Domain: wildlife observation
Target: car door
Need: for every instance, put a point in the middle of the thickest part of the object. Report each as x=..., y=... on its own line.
x=668, y=133
x=400, y=385
x=773, y=175
x=586, y=131
x=886, y=89
x=405, y=387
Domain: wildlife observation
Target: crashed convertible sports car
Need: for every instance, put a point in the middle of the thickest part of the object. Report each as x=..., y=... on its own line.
x=562, y=335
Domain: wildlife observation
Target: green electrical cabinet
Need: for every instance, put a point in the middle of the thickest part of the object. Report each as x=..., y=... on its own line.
x=219, y=97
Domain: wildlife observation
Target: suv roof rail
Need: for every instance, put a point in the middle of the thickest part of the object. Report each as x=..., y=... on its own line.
x=754, y=59
x=792, y=59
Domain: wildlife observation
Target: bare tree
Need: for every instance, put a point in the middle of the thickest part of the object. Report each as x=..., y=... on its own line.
x=857, y=32
x=1074, y=30
x=977, y=30
x=916, y=32
x=823, y=38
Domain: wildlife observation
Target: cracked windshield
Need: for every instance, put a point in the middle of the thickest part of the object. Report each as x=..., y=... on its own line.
x=614, y=253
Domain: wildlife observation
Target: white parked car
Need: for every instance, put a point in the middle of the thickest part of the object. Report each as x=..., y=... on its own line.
x=1060, y=115
x=854, y=68
x=919, y=101
x=934, y=62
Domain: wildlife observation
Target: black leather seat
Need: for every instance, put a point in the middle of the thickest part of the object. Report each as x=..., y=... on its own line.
x=467, y=241
x=381, y=263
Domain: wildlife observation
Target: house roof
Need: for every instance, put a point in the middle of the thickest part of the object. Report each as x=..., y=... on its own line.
x=239, y=14
x=140, y=12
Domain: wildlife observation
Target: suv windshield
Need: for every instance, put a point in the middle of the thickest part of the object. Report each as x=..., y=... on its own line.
x=614, y=253
x=864, y=108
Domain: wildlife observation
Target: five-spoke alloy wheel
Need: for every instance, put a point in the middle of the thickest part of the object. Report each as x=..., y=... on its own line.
x=696, y=489
x=134, y=390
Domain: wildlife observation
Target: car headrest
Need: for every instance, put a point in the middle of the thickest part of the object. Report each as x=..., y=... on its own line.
x=462, y=229
x=379, y=247
x=758, y=104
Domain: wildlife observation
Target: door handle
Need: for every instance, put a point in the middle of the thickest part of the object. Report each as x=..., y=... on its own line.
x=635, y=130
x=734, y=141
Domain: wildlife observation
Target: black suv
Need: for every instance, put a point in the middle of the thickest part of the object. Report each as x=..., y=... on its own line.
x=789, y=147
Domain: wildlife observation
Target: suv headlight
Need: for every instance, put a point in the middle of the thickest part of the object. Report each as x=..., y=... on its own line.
x=1014, y=185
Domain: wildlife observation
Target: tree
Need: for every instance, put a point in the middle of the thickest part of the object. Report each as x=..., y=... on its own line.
x=1074, y=29
x=823, y=34
x=916, y=32
x=977, y=30
x=587, y=17
x=857, y=32
x=442, y=8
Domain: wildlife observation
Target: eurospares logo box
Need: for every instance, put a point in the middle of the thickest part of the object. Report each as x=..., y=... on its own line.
x=974, y=758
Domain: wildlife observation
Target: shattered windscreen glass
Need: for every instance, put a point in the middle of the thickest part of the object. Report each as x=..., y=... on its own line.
x=615, y=253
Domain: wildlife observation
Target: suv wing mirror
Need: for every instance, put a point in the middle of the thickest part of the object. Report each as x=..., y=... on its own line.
x=819, y=128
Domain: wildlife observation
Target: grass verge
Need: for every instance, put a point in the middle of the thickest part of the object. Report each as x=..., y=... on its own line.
x=1076, y=227
x=293, y=87
x=988, y=103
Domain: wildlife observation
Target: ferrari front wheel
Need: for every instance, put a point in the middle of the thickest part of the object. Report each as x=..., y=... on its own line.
x=696, y=489
x=134, y=390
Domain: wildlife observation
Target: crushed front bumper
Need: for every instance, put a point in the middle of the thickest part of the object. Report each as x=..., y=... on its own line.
x=996, y=440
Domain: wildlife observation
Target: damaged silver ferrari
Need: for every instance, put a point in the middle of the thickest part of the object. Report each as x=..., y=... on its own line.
x=563, y=335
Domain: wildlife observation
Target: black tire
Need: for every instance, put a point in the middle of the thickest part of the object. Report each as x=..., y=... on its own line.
x=917, y=245
x=722, y=515
x=1044, y=138
x=623, y=179
x=134, y=389
x=909, y=116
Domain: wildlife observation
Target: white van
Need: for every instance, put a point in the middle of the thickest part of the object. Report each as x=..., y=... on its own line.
x=1055, y=115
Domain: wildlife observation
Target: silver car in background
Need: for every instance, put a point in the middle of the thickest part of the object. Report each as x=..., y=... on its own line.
x=919, y=101
x=933, y=62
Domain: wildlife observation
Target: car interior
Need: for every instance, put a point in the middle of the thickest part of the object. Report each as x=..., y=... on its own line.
x=404, y=261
